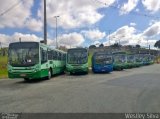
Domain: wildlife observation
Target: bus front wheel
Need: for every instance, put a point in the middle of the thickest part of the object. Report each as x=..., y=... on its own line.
x=49, y=74
x=26, y=79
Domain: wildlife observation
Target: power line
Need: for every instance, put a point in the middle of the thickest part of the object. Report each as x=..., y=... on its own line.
x=131, y=12
x=10, y=8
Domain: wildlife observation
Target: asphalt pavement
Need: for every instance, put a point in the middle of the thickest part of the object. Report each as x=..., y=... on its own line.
x=131, y=90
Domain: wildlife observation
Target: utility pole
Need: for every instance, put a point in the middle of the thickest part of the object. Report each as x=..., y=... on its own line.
x=149, y=50
x=45, y=23
x=20, y=39
x=1, y=45
x=148, y=47
x=56, y=31
x=109, y=31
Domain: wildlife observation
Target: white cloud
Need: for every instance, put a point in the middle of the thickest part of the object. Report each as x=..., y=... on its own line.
x=94, y=34
x=73, y=13
x=96, y=43
x=72, y=39
x=137, y=10
x=34, y=24
x=17, y=16
x=153, y=30
x=129, y=6
x=133, y=24
x=128, y=36
x=152, y=5
x=122, y=35
x=6, y=39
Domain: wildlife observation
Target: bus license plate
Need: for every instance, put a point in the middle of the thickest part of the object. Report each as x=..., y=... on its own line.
x=23, y=75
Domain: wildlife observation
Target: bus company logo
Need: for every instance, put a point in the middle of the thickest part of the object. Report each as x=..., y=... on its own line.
x=9, y=116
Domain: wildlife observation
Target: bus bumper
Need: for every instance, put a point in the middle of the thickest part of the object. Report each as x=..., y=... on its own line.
x=118, y=67
x=106, y=69
x=77, y=70
x=32, y=75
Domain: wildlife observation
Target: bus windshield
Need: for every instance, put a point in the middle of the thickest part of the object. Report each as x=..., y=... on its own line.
x=119, y=58
x=130, y=58
x=77, y=56
x=103, y=59
x=23, y=54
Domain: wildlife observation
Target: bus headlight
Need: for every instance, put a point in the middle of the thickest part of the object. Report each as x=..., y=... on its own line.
x=37, y=68
x=9, y=70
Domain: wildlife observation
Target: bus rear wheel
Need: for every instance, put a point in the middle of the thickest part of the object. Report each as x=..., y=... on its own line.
x=26, y=79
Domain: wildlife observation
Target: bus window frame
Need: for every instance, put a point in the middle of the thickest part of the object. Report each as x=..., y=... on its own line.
x=45, y=51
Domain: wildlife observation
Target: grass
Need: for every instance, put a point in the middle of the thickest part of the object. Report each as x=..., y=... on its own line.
x=3, y=67
x=157, y=60
x=90, y=60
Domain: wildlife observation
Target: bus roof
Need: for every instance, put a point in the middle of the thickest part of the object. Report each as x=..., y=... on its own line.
x=42, y=44
x=101, y=53
x=119, y=52
x=77, y=49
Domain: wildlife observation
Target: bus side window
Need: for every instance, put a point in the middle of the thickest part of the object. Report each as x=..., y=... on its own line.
x=62, y=55
x=43, y=56
x=50, y=55
x=54, y=55
x=59, y=56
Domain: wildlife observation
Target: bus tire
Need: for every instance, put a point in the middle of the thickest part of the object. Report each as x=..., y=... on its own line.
x=86, y=72
x=49, y=74
x=26, y=79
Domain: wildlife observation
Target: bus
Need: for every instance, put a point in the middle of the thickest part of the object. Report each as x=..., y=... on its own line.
x=131, y=61
x=77, y=60
x=102, y=62
x=34, y=60
x=138, y=60
x=151, y=59
x=120, y=60
x=146, y=59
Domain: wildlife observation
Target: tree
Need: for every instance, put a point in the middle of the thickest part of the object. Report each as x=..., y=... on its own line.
x=92, y=46
x=101, y=45
x=116, y=45
x=157, y=44
x=130, y=46
x=138, y=46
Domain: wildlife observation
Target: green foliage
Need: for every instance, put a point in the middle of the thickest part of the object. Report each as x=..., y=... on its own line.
x=3, y=67
x=3, y=51
x=90, y=60
x=101, y=45
x=157, y=44
x=92, y=46
x=138, y=46
x=116, y=45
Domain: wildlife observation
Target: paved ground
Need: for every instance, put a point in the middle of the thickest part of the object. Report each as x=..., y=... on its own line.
x=133, y=90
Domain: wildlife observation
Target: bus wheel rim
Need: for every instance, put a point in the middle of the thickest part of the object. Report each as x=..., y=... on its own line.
x=49, y=74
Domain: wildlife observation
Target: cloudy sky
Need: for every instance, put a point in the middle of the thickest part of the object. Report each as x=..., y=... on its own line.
x=82, y=22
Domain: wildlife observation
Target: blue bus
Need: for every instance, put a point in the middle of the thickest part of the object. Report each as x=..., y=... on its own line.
x=102, y=62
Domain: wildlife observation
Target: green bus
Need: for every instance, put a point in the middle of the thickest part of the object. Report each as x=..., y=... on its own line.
x=34, y=60
x=151, y=59
x=120, y=59
x=147, y=59
x=77, y=60
x=138, y=60
x=131, y=61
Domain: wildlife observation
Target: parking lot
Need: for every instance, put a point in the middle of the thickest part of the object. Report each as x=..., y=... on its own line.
x=131, y=90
